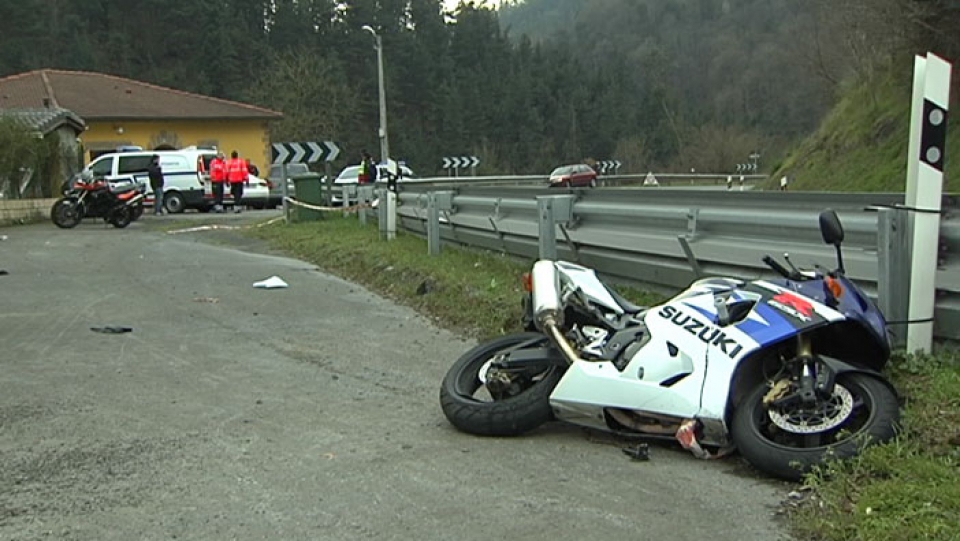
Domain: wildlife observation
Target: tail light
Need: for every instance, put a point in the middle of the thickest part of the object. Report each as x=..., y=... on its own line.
x=527, y=282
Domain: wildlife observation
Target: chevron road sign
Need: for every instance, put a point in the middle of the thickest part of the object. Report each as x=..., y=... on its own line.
x=308, y=152
x=460, y=162
x=746, y=167
x=608, y=166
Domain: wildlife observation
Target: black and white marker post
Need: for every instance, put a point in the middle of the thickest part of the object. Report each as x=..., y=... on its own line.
x=924, y=190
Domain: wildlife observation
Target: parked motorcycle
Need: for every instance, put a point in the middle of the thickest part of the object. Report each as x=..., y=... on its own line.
x=96, y=198
x=786, y=371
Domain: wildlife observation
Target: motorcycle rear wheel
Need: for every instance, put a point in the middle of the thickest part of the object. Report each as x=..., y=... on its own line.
x=121, y=216
x=463, y=403
x=66, y=213
x=862, y=411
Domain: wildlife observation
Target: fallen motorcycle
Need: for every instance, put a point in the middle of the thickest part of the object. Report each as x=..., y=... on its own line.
x=87, y=197
x=785, y=371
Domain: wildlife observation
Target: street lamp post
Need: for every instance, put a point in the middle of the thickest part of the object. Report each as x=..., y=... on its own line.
x=384, y=143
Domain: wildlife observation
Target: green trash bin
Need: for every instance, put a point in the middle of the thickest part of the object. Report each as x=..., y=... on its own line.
x=308, y=190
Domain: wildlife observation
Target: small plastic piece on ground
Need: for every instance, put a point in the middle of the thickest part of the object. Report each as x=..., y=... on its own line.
x=271, y=283
x=112, y=329
x=641, y=451
x=3, y=272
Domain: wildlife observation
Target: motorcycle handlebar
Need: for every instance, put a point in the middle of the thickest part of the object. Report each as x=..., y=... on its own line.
x=773, y=264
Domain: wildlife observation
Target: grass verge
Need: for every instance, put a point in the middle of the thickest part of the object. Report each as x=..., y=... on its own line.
x=908, y=489
x=904, y=490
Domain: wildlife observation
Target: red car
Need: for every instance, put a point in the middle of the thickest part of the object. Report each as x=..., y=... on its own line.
x=574, y=175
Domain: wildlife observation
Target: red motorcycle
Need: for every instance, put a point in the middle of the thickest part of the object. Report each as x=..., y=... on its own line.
x=96, y=198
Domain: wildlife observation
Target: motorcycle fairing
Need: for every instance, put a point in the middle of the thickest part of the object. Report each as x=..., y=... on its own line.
x=665, y=377
x=588, y=283
x=774, y=324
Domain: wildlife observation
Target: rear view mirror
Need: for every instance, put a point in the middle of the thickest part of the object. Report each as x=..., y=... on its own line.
x=830, y=227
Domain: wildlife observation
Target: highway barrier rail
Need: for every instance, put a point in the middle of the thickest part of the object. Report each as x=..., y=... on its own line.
x=643, y=235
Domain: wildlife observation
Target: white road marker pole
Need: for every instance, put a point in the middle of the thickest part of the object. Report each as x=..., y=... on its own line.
x=927, y=189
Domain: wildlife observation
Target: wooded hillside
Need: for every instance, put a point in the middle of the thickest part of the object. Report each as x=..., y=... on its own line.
x=665, y=84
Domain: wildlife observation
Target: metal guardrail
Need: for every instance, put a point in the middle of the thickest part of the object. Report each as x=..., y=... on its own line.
x=632, y=234
x=664, y=180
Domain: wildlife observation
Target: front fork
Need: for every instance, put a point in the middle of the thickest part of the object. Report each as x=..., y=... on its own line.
x=809, y=379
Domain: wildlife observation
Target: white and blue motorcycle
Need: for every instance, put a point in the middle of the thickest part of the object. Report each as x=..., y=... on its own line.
x=785, y=371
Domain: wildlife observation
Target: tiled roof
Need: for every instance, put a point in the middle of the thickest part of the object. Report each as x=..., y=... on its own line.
x=44, y=120
x=97, y=96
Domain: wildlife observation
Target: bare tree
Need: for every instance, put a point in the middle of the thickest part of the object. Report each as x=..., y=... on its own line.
x=717, y=149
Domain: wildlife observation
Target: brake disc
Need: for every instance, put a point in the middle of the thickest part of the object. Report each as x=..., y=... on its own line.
x=825, y=415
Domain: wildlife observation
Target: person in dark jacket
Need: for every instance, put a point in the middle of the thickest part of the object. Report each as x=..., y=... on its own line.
x=253, y=169
x=156, y=183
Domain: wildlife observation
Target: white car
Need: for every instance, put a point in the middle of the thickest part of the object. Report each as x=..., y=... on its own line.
x=256, y=193
x=350, y=175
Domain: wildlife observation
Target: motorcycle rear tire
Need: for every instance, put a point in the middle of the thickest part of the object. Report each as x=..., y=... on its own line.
x=505, y=417
x=750, y=429
x=121, y=216
x=66, y=213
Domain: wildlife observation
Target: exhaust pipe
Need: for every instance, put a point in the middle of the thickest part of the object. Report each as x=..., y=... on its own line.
x=136, y=199
x=547, y=308
x=551, y=329
x=546, y=293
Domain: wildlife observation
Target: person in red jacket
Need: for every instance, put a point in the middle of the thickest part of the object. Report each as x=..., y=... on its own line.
x=237, y=176
x=218, y=175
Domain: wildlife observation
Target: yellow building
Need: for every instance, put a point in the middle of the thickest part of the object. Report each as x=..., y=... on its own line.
x=123, y=112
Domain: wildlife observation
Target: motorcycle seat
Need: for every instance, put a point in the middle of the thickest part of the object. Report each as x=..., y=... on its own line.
x=627, y=306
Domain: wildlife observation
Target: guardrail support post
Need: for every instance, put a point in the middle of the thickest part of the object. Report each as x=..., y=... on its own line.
x=433, y=224
x=692, y=216
x=893, y=268
x=362, y=201
x=548, y=228
x=436, y=202
x=365, y=196
x=345, y=192
x=551, y=210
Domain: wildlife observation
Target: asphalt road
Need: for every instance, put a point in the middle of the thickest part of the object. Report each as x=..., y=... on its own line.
x=306, y=413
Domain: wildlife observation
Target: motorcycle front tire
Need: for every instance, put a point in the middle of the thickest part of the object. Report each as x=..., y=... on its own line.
x=121, y=216
x=509, y=416
x=66, y=213
x=877, y=414
x=137, y=212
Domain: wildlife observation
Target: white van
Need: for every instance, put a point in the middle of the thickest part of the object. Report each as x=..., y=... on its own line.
x=184, y=182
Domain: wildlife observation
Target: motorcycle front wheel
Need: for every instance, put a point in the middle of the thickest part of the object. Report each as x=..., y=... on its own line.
x=121, y=216
x=788, y=442
x=470, y=406
x=66, y=213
